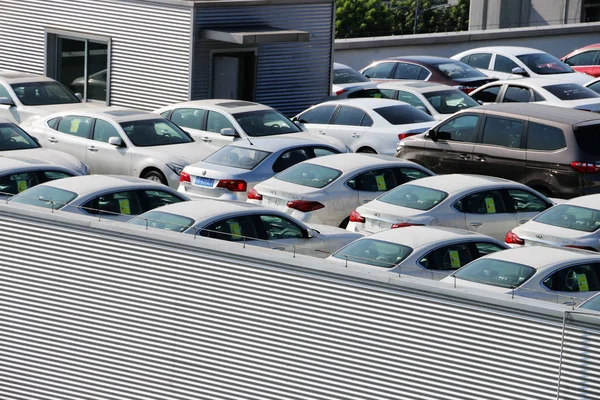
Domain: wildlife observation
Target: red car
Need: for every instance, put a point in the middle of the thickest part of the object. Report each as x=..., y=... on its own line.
x=585, y=59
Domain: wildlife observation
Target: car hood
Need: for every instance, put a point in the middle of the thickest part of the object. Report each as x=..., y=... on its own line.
x=52, y=108
x=183, y=154
x=50, y=156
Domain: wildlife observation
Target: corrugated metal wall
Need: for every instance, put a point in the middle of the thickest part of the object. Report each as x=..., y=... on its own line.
x=291, y=76
x=151, y=43
x=109, y=313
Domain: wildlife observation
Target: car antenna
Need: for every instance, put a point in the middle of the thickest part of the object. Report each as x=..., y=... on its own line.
x=248, y=139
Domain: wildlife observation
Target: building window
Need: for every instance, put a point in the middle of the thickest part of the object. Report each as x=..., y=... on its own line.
x=590, y=11
x=81, y=65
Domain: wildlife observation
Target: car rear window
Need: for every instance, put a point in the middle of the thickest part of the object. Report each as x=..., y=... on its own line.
x=571, y=217
x=238, y=157
x=14, y=138
x=494, y=272
x=44, y=196
x=449, y=101
x=571, y=91
x=413, y=196
x=459, y=70
x=400, y=115
x=347, y=75
x=588, y=139
x=163, y=220
x=307, y=174
x=374, y=252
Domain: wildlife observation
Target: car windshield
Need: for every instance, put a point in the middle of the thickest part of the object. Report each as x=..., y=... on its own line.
x=571, y=91
x=413, y=196
x=238, y=157
x=593, y=303
x=163, y=220
x=571, y=217
x=155, y=132
x=374, y=252
x=14, y=138
x=449, y=101
x=348, y=75
x=43, y=93
x=544, y=64
x=494, y=272
x=403, y=114
x=459, y=70
x=265, y=123
x=44, y=196
x=311, y=175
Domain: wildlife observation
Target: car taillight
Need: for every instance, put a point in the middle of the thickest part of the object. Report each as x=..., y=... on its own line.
x=572, y=246
x=305, y=206
x=341, y=91
x=465, y=89
x=234, y=185
x=404, y=225
x=405, y=135
x=581, y=166
x=184, y=177
x=254, y=195
x=512, y=238
x=356, y=217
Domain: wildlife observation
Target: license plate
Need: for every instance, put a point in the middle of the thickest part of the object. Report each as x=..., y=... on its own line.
x=532, y=243
x=373, y=223
x=273, y=201
x=206, y=182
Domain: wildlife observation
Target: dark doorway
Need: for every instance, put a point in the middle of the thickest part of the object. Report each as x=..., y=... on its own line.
x=234, y=75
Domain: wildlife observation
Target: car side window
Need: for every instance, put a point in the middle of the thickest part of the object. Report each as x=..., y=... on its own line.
x=234, y=229
x=16, y=183
x=151, y=199
x=487, y=202
x=318, y=115
x=289, y=158
x=279, y=228
x=380, y=180
x=502, y=132
x=188, y=117
x=349, y=116
x=524, y=201
x=404, y=175
x=517, y=94
x=479, y=60
x=322, y=151
x=366, y=121
x=4, y=92
x=448, y=257
x=104, y=130
x=52, y=122
x=462, y=128
x=504, y=64
x=382, y=70
x=216, y=121
x=372, y=94
x=74, y=125
x=407, y=71
x=488, y=95
x=577, y=278
x=544, y=137
x=595, y=87
x=485, y=248
x=585, y=58
x=46, y=176
x=411, y=99
x=537, y=96
x=120, y=203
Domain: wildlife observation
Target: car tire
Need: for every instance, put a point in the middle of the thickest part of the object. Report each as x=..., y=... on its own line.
x=155, y=176
x=367, y=150
x=344, y=223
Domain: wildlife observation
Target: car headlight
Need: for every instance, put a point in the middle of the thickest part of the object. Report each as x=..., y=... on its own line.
x=177, y=168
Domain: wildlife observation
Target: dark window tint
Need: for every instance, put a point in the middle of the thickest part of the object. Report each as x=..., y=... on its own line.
x=43, y=93
x=595, y=87
x=502, y=132
x=217, y=121
x=411, y=99
x=349, y=116
x=347, y=75
x=133, y=202
x=374, y=252
x=279, y=228
x=544, y=137
x=578, y=278
x=381, y=70
x=538, y=97
x=310, y=175
x=156, y=132
x=504, y=64
x=289, y=158
x=571, y=217
x=480, y=60
x=585, y=58
x=450, y=101
x=458, y=70
x=407, y=71
x=488, y=202
x=413, y=196
x=485, y=248
x=52, y=123
x=17, y=183
x=424, y=74
x=318, y=115
x=163, y=220
x=524, y=201
x=188, y=117
x=462, y=128
x=45, y=196
x=517, y=94
x=264, y=123
x=448, y=257
x=233, y=229
x=103, y=130
x=544, y=64
x=380, y=180
x=237, y=157
x=571, y=91
x=367, y=121
x=488, y=95
x=399, y=115
x=14, y=138
x=76, y=126
x=372, y=93
x=588, y=139
x=496, y=272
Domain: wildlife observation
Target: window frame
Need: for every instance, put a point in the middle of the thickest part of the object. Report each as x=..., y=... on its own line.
x=522, y=141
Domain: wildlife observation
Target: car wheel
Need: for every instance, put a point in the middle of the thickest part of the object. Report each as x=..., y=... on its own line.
x=366, y=150
x=344, y=223
x=155, y=176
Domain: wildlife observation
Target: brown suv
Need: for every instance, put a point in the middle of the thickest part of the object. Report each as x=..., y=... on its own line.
x=554, y=150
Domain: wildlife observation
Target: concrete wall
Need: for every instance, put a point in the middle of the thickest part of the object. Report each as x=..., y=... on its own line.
x=557, y=40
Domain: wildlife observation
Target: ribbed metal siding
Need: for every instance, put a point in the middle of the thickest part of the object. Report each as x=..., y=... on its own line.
x=151, y=43
x=93, y=314
x=291, y=76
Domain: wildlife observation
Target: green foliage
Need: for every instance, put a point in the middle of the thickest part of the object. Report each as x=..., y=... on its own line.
x=356, y=18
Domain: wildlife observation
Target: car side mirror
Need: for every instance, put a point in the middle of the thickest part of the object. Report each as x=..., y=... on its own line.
x=519, y=71
x=115, y=141
x=228, y=132
x=432, y=134
x=35, y=139
x=6, y=101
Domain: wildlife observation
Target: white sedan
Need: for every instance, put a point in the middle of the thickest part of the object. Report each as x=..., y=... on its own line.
x=574, y=223
x=247, y=223
x=484, y=204
x=233, y=170
x=539, y=90
x=366, y=125
x=422, y=251
x=567, y=276
x=325, y=190
x=117, y=198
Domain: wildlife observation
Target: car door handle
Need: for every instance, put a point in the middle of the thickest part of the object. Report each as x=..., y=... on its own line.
x=206, y=139
x=355, y=135
x=464, y=156
x=92, y=148
x=52, y=140
x=475, y=224
x=480, y=158
x=321, y=132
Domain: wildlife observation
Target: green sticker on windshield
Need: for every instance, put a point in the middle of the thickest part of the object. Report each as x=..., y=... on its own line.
x=22, y=185
x=583, y=283
x=454, y=259
x=381, y=183
x=490, y=206
x=124, y=206
x=236, y=230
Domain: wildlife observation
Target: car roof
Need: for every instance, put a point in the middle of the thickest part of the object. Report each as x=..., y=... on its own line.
x=366, y=102
x=423, y=59
x=589, y=201
x=116, y=114
x=352, y=161
x=545, y=112
x=226, y=105
x=417, y=236
x=83, y=185
x=543, y=257
x=533, y=82
x=454, y=183
x=417, y=86
x=512, y=50
x=208, y=208
x=279, y=142
x=16, y=77
x=10, y=162
x=337, y=65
